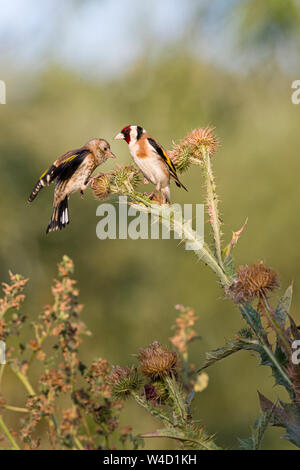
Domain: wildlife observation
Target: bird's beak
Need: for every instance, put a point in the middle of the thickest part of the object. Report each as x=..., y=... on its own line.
x=119, y=136
x=111, y=155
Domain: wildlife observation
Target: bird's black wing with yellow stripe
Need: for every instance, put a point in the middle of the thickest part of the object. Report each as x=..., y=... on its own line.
x=167, y=160
x=62, y=169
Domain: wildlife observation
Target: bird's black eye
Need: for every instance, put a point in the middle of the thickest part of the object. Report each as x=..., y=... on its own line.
x=105, y=149
x=126, y=132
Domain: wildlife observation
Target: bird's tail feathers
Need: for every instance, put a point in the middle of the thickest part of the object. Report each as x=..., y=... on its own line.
x=47, y=177
x=60, y=216
x=39, y=185
x=178, y=182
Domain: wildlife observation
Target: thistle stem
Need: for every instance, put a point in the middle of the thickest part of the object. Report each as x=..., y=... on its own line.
x=2, y=366
x=25, y=382
x=78, y=443
x=212, y=202
x=184, y=229
x=8, y=434
x=151, y=409
x=15, y=408
x=275, y=325
x=176, y=397
x=266, y=349
x=202, y=445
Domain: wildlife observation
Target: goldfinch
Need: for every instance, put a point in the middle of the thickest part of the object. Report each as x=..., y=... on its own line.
x=152, y=160
x=71, y=172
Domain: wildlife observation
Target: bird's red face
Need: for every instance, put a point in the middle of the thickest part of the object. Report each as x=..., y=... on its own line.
x=125, y=134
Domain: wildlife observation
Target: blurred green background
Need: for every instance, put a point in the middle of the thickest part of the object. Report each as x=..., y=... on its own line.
x=76, y=70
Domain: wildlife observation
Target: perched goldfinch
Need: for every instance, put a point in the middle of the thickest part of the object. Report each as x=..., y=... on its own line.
x=152, y=160
x=71, y=173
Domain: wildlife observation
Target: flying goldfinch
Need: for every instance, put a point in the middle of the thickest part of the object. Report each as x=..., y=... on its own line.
x=71, y=172
x=152, y=160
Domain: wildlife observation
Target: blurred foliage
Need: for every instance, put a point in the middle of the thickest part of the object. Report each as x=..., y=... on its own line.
x=129, y=287
x=270, y=22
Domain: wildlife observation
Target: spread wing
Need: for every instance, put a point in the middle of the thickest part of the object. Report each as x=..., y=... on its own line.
x=62, y=169
x=67, y=167
x=171, y=167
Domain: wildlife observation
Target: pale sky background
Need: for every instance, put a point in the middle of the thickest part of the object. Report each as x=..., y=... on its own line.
x=107, y=36
x=109, y=33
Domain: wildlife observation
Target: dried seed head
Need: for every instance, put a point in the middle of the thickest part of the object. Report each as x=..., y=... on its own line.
x=202, y=136
x=101, y=186
x=123, y=380
x=157, y=361
x=253, y=281
x=81, y=398
x=190, y=149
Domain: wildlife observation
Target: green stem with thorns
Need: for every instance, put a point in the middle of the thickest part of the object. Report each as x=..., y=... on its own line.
x=212, y=204
x=8, y=434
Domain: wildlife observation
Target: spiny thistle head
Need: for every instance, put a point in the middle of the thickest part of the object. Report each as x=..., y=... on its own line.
x=202, y=136
x=123, y=380
x=253, y=281
x=126, y=177
x=161, y=390
x=123, y=180
x=190, y=149
x=157, y=361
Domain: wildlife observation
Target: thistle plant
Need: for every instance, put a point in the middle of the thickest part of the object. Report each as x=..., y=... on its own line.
x=163, y=395
x=90, y=414
x=123, y=180
x=93, y=395
x=162, y=381
x=249, y=287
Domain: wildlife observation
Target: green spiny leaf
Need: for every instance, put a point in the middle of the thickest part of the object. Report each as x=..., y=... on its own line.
x=283, y=307
x=252, y=317
x=260, y=426
x=218, y=354
x=287, y=415
x=192, y=438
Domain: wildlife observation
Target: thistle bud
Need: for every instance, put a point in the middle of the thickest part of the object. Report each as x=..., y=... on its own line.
x=123, y=380
x=190, y=149
x=101, y=186
x=123, y=181
x=157, y=361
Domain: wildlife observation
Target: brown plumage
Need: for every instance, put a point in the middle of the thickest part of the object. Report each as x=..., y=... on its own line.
x=71, y=172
